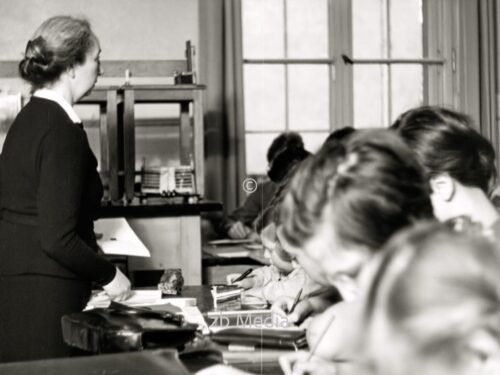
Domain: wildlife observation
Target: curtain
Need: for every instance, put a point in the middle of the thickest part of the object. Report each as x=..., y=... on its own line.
x=489, y=43
x=220, y=70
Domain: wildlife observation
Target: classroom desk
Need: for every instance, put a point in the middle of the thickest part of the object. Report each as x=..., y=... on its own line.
x=219, y=261
x=258, y=362
x=171, y=232
x=234, y=254
x=149, y=362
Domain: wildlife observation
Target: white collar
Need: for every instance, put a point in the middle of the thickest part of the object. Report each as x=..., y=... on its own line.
x=56, y=97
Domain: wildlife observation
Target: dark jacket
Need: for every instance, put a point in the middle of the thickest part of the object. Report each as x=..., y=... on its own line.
x=49, y=193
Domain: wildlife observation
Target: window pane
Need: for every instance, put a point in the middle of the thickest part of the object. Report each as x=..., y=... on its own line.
x=407, y=90
x=256, y=151
x=406, y=28
x=309, y=96
x=369, y=25
x=307, y=28
x=313, y=141
x=263, y=29
x=370, y=96
x=264, y=97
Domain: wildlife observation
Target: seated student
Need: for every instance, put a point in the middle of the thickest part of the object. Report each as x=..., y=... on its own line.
x=343, y=205
x=433, y=306
x=281, y=278
x=458, y=161
x=239, y=224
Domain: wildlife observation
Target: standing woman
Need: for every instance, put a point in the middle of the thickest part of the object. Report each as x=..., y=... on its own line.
x=49, y=194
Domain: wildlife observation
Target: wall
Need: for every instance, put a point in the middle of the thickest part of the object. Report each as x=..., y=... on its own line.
x=128, y=29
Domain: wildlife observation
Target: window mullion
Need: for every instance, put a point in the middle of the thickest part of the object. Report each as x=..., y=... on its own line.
x=285, y=66
x=342, y=45
x=387, y=120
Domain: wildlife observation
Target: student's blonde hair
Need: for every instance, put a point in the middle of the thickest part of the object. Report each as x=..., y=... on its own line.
x=432, y=291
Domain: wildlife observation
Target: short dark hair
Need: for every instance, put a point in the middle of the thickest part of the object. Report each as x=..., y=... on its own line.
x=371, y=185
x=59, y=43
x=338, y=135
x=283, y=141
x=285, y=161
x=444, y=141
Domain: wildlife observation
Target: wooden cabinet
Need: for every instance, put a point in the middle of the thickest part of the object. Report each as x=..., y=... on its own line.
x=117, y=130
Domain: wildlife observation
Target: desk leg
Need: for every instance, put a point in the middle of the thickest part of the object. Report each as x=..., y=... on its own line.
x=112, y=130
x=190, y=247
x=198, y=144
x=185, y=135
x=129, y=144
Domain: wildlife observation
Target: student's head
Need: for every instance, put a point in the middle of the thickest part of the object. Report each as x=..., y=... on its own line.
x=348, y=199
x=279, y=257
x=339, y=135
x=450, y=151
x=62, y=46
x=283, y=141
x=434, y=304
x=286, y=151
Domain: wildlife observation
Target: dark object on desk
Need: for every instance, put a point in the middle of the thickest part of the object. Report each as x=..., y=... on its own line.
x=159, y=362
x=171, y=282
x=261, y=337
x=121, y=328
x=243, y=275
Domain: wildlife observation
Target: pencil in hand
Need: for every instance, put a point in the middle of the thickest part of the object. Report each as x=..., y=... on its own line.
x=243, y=275
x=295, y=301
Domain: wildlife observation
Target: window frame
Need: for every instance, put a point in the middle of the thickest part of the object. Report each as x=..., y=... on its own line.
x=449, y=77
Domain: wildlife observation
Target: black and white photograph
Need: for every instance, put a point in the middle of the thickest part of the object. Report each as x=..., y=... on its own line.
x=238, y=187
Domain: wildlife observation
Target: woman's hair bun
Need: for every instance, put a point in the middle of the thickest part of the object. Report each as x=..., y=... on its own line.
x=37, y=66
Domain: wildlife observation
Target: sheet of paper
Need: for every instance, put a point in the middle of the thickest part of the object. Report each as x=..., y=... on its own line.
x=230, y=241
x=234, y=254
x=136, y=298
x=118, y=238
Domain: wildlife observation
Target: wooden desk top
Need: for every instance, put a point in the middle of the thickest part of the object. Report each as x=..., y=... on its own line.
x=234, y=254
x=158, y=208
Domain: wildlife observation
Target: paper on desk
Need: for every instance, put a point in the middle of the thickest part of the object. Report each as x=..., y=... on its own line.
x=136, y=298
x=118, y=238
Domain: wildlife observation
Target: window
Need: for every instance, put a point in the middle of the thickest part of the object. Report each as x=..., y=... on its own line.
x=313, y=66
x=286, y=73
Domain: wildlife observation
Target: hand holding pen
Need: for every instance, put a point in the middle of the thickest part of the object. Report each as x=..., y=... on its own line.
x=243, y=275
x=246, y=280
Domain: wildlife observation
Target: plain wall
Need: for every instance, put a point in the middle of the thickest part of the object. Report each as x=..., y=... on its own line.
x=127, y=29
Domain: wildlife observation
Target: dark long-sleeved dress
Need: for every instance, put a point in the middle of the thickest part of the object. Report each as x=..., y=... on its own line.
x=49, y=193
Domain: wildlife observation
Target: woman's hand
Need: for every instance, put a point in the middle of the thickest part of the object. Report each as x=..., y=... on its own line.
x=119, y=288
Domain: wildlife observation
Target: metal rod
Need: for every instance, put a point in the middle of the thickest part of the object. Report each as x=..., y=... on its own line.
x=423, y=61
x=288, y=61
